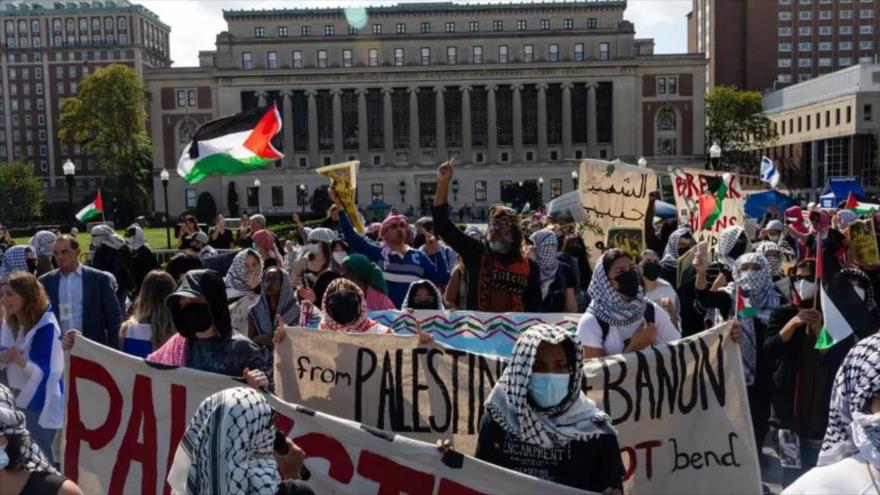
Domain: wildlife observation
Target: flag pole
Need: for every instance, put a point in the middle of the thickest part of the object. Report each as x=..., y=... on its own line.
x=816, y=279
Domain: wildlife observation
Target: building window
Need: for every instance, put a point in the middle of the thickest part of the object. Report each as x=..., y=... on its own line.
x=866, y=14
x=604, y=51
x=346, y=58
x=845, y=14
x=805, y=31
x=845, y=45
x=247, y=60
x=450, y=27
x=353, y=31
x=825, y=30
x=866, y=45
x=480, y=190
x=373, y=57
x=578, y=52
x=846, y=30
x=867, y=111
x=805, y=15
x=528, y=53
x=474, y=26
x=592, y=23
x=545, y=24
x=425, y=56
x=451, y=55
x=329, y=30
x=825, y=46
x=866, y=29
x=805, y=62
x=277, y=196
x=478, y=54
x=181, y=98
x=497, y=25
x=398, y=57
x=568, y=24
x=259, y=32
x=785, y=16
x=377, y=29
x=555, y=188
x=425, y=27
x=783, y=63
x=844, y=61
x=192, y=198
x=305, y=30
x=667, y=132
x=805, y=46
x=400, y=28
x=503, y=54
x=377, y=193
x=521, y=25
x=282, y=31
x=322, y=58
x=784, y=31
x=824, y=62
x=848, y=114
x=554, y=53
x=297, y=59
x=272, y=59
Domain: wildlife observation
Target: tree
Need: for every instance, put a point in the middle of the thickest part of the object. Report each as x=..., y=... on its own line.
x=735, y=120
x=107, y=119
x=21, y=194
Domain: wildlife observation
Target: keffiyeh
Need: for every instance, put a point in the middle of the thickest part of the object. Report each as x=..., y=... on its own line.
x=236, y=276
x=287, y=307
x=856, y=383
x=103, y=235
x=361, y=324
x=868, y=285
x=12, y=422
x=137, y=240
x=438, y=296
x=608, y=306
x=227, y=447
x=42, y=242
x=726, y=242
x=15, y=260
x=774, y=263
x=546, y=244
x=576, y=418
x=670, y=254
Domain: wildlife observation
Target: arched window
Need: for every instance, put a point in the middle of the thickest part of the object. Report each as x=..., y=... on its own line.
x=666, y=132
x=666, y=120
x=185, y=131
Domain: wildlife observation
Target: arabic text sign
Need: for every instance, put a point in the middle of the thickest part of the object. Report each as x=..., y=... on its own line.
x=614, y=195
x=125, y=418
x=689, y=185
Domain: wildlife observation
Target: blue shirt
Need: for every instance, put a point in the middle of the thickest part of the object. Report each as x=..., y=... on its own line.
x=70, y=300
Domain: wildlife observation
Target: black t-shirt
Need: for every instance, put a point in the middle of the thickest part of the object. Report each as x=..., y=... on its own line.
x=565, y=279
x=42, y=483
x=222, y=241
x=594, y=465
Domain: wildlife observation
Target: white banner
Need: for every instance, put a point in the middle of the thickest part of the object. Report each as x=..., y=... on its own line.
x=124, y=419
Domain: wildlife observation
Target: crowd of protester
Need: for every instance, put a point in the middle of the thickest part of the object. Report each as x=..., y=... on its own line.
x=224, y=318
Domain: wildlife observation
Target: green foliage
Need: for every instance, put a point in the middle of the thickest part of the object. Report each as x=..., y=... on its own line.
x=21, y=194
x=107, y=119
x=735, y=121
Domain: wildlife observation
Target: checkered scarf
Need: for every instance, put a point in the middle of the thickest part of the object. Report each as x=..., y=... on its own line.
x=12, y=422
x=546, y=244
x=607, y=305
x=870, y=302
x=103, y=235
x=15, y=260
x=361, y=324
x=42, y=242
x=856, y=383
x=235, y=277
x=670, y=254
x=287, y=307
x=137, y=239
x=774, y=264
x=726, y=242
x=576, y=418
x=227, y=447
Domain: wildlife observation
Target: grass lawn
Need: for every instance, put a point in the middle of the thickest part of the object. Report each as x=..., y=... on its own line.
x=155, y=238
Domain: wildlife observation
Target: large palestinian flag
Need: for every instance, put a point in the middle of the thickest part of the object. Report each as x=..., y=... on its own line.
x=232, y=145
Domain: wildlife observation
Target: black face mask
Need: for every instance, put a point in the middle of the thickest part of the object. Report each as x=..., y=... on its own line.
x=683, y=250
x=343, y=307
x=192, y=319
x=427, y=304
x=739, y=248
x=31, y=265
x=651, y=270
x=628, y=283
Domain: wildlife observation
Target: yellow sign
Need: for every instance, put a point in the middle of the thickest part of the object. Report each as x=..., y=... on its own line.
x=343, y=178
x=863, y=239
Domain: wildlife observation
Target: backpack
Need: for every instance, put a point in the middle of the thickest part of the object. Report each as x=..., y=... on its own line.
x=649, y=319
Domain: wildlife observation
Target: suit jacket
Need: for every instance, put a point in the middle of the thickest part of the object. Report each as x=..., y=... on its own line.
x=101, y=313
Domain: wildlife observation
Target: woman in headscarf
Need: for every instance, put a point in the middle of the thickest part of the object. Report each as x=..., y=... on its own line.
x=338, y=251
x=843, y=219
x=243, y=286
x=423, y=294
x=112, y=256
x=692, y=316
x=264, y=242
x=228, y=447
x=20, y=258
x=619, y=318
x=772, y=252
x=751, y=279
x=849, y=461
x=344, y=309
x=143, y=261
x=733, y=242
x=24, y=469
x=42, y=243
x=557, y=279
x=369, y=277
x=539, y=422
x=314, y=271
x=276, y=299
x=150, y=324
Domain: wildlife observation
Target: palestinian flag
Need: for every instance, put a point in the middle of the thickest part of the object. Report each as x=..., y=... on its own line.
x=92, y=209
x=744, y=309
x=858, y=207
x=835, y=326
x=232, y=145
x=711, y=202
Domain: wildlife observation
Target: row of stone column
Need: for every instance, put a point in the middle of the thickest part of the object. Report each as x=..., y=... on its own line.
x=440, y=151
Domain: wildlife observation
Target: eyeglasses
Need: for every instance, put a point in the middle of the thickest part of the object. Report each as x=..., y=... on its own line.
x=499, y=222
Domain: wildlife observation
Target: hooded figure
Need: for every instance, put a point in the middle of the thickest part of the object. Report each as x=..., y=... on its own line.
x=42, y=242
x=546, y=245
x=794, y=216
x=673, y=250
x=423, y=294
x=262, y=315
x=733, y=242
x=343, y=310
x=205, y=340
x=18, y=259
x=243, y=286
x=112, y=256
x=537, y=407
x=143, y=261
x=370, y=278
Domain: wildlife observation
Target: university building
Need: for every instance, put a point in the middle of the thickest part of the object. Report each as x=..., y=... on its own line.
x=46, y=47
x=516, y=92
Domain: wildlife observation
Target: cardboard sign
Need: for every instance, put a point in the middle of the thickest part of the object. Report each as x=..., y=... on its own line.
x=864, y=240
x=689, y=185
x=631, y=241
x=344, y=179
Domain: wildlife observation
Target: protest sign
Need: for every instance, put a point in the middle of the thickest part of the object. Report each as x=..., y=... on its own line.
x=614, y=195
x=680, y=409
x=124, y=419
x=631, y=241
x=863, y=239
x=684, y=267
x=689, y=185
x=475, y=331
x=344, y=179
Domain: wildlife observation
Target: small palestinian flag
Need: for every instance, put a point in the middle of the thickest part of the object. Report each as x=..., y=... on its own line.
x=232, y=145
x=835, y=326
x=859, y=208
x=711, y=202
x=744, y=308
x=92, y=209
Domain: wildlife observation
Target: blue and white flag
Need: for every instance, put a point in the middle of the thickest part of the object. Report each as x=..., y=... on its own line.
x=769, y=174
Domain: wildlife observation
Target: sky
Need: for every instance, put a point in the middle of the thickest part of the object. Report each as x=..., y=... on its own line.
x=196, y=23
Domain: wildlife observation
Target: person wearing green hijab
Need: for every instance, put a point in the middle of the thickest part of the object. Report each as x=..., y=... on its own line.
x=369, y=277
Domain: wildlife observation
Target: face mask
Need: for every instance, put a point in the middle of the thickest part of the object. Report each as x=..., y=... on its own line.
x=192, y=319
x=548, y=389
x=338, y=256
x=651, y=270
x=31, y=265
x=628, y=283
x=739, y=249
x=343, y=307
x=805, y=289
x=4, y=458
x=500, y=247
x=866, y=435
x=773, y=237
x=424, y=304
x=859, y=292
x=683, y=250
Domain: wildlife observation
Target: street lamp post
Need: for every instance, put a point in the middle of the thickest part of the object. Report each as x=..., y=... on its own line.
x=541, y=190
x=257, y=187
x=574, y=180
x=302, y=197
x=455, y=190
x=69, y=171
x=715, y=155
x=402, y=193
x=642, y=162
x=164, y=177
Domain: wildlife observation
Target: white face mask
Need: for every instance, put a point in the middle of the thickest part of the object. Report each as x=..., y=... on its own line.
x=773, y=237
x=860, y=292
x=866, y=435
x=805, y=289
x=339, y=256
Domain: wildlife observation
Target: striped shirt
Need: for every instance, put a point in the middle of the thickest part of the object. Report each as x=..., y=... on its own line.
x=138, y=340
x=70, y=300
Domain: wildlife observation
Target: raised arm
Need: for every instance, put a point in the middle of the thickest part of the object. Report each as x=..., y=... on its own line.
x=467, y=247
x=357, y=243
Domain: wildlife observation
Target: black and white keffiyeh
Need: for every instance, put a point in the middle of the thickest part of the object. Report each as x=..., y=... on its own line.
x=227, y=447
x=726, y=242
x=42, y=242
x=235, y=278
x=607, y=304
x=774, y=264
x=856, y=384
x=546, y=244
x=288, y=308
x=576, y=418
x=104, y=235
x=867, y=284
x=670, y=253
x=12, y=422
